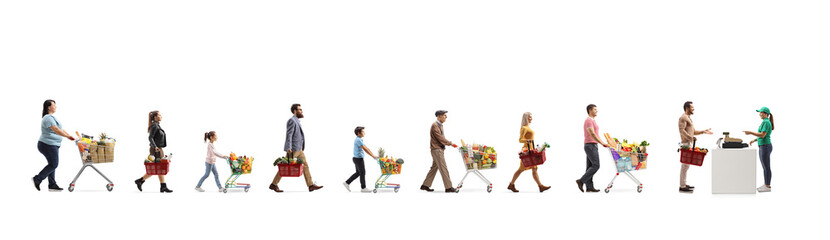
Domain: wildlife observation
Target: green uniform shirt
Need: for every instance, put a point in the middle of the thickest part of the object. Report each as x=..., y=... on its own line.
x=766, y=127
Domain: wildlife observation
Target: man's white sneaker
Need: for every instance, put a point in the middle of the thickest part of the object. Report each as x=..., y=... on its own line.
x=198, y=189
x=764, y=188
x=221, y=189
x=347, y=186
x=365, y=190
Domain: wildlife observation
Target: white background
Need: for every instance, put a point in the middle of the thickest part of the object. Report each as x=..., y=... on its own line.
x=236, y=67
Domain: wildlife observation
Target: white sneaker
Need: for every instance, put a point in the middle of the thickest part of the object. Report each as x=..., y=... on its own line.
x=365, y=190
x=347, y=186
x=764, y=188
x=221, y=189
x=198, y=189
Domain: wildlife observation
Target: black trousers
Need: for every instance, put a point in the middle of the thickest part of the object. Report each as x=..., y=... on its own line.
x=360, y=171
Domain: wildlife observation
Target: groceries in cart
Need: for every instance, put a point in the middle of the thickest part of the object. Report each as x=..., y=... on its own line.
x=96, y=151
x=628, y=156
x=478, y=156
x=243, y=164
x=389, y=165
x=535, y=156
x=292, y=167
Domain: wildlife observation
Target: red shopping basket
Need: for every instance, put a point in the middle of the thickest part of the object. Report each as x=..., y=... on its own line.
x=532, y=158
x=157, y=168
x=691, y=157
x=290, y=170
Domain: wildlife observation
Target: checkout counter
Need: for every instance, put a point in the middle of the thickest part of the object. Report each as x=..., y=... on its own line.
x=733, y=167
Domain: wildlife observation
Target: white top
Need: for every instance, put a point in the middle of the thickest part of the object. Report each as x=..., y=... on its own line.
x=212, y=154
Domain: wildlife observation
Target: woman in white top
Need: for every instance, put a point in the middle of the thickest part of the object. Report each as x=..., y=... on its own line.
x=210, y=162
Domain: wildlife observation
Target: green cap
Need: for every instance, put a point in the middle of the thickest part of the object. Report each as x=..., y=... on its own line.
x=763, y=110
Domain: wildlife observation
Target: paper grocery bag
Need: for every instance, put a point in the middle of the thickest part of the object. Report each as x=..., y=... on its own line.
x=635, y=159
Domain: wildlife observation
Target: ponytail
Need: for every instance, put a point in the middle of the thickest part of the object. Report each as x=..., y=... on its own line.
x=46, y=104
x=772, y=121
x=153, y=115
x=209, y=135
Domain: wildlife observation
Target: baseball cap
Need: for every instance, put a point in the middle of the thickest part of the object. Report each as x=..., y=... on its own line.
x=763, y=110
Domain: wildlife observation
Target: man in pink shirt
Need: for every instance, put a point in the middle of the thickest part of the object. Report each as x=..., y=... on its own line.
x=591, y=130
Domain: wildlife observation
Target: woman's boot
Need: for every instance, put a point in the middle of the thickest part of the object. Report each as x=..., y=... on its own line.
x=138, y=183
x=164, y=188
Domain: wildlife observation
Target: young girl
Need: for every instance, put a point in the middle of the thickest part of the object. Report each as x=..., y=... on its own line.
x=210, y=162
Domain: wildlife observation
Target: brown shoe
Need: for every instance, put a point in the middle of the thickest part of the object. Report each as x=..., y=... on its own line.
x=579, y=184
x=543, y=188
x=512, y=187
x=425, y=188
x=592, y=190
x=314, y=187
x=275, y=188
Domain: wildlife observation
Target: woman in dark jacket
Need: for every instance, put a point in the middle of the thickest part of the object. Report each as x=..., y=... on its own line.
x=158, y=141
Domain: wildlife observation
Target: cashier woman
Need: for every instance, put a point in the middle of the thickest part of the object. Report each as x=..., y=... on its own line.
x=764, y=145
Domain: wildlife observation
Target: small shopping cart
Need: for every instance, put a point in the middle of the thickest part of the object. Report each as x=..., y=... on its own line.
x=477, y=158
x=94, y=153
x=388, y=167
x=239, y=166
x=625, y=162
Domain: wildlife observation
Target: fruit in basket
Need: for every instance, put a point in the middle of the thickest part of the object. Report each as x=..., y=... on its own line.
x=381, y=152
x=299, y=161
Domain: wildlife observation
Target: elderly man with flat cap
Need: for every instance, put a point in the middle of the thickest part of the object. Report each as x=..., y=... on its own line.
x=437, y=144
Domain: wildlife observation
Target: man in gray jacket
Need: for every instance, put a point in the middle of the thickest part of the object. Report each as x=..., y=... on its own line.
x=294, y=146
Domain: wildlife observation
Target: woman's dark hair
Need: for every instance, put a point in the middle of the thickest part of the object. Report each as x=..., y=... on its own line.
x=209, y=135
x=771, y=121
x=357, y=130
x=294, y=107
x=590, y=106
x=153, y=115
x=687, y=105
x=46, y=104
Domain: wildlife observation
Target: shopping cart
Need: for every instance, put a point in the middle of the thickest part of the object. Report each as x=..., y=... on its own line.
x=625, y=162
x=388, y=167
x=93, y=153
x=238, y=166
x=477, y=158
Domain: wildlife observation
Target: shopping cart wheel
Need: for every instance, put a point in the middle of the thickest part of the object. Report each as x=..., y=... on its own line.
x=396, y=189
x=375, y=190
x=247, y=188
x=489, y=189
x=71, y=188
x=225, y=190
x=607, y=190
x=459, y=185
x=109, y=187
x=639, y=189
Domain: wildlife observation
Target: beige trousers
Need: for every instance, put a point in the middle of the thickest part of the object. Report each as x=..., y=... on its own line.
x=438, y=164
